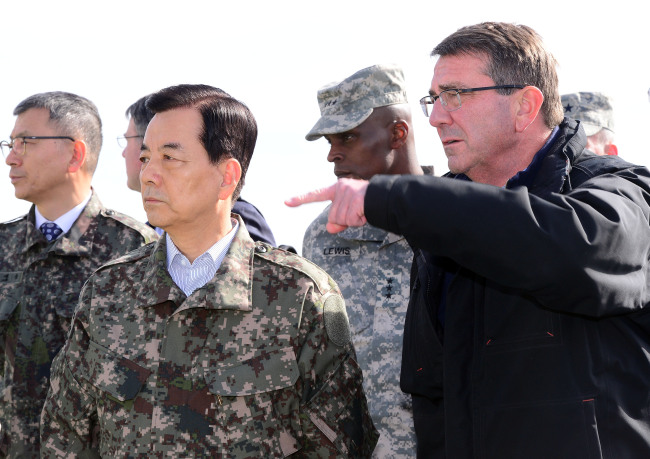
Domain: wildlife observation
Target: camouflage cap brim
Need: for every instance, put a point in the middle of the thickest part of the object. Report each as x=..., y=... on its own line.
x=591, y=129
x=334, y=124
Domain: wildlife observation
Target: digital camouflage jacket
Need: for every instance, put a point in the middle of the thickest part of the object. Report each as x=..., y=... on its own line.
x=256, y=363
x=371, y=267
x=40, y=283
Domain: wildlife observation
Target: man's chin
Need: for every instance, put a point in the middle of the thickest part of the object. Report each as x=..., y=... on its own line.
x=155, y=220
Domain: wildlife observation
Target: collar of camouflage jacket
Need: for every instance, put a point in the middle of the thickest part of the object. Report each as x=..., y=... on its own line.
x=230, y=288
x=77, y=242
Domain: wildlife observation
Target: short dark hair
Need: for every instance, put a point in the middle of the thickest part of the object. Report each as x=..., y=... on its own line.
x=140, y=115
x=229, y=128
x=74, y=116
x=515, y=54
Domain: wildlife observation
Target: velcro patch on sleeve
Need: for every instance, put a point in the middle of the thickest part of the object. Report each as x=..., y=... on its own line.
x=336, y=320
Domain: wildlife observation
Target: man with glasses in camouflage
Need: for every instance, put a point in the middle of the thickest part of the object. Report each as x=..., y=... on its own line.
x=528, y=326
x=46, y=255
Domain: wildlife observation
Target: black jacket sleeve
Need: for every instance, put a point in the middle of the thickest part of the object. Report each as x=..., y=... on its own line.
x=583, y=252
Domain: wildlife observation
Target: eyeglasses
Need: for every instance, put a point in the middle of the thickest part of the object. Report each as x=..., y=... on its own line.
x=450, y=98
x=19, y=144
x=122, y=141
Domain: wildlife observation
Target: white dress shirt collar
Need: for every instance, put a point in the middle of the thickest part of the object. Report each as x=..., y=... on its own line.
x=66, y=220
x=191, y=276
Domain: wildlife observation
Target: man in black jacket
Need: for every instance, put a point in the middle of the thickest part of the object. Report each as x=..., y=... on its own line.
x=528, y=329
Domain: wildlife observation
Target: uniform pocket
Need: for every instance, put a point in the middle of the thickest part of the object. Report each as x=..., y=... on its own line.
x=257, y=403
x=119, y=378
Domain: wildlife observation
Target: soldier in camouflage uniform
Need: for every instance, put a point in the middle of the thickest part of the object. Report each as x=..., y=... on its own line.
x=40, y=280
x=367, y=122
x=596, y=115
x=252, y=360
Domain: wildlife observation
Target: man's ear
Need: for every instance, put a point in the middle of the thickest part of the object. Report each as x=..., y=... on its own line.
x=399, y=135
x=78, y=156
x=231, y=175
x=529, y=102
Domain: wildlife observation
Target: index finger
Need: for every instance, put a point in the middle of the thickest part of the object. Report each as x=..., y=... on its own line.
x=320, y=195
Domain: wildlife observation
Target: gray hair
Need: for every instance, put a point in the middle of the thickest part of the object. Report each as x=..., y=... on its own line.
x=75, y=116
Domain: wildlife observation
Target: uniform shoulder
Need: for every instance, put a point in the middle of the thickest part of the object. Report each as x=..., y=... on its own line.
x=148, y=233
x=130, y=257
x=317, y=226
x=321, y=219
x=14, y=222
x=9, y=229
x=290, y=260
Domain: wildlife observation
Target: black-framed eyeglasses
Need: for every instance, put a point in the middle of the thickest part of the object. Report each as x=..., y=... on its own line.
x=450, y=98
x=19, y=144
x=122, y=141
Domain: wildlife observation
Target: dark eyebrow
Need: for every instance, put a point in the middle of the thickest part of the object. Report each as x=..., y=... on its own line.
x=170, y=146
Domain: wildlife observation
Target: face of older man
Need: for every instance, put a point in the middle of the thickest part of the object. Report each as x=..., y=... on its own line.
x=39, y=167
x=180, y=186
x=478, y=137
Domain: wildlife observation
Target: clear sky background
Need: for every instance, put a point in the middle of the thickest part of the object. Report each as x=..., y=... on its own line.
x=274, y=56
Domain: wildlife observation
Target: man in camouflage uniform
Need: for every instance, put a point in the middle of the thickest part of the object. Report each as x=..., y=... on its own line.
x=53, y=154
x=207, y=343
x=596, y=115
x=367, y=122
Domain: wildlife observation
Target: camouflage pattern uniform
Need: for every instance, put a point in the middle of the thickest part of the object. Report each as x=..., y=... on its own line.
x=347, y=104
x=372, y=268
x=593, y=109
x=40, y=283
x=256, y=363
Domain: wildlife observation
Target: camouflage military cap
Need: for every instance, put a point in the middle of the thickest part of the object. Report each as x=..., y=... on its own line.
x=345, y=105
x=594, y=109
